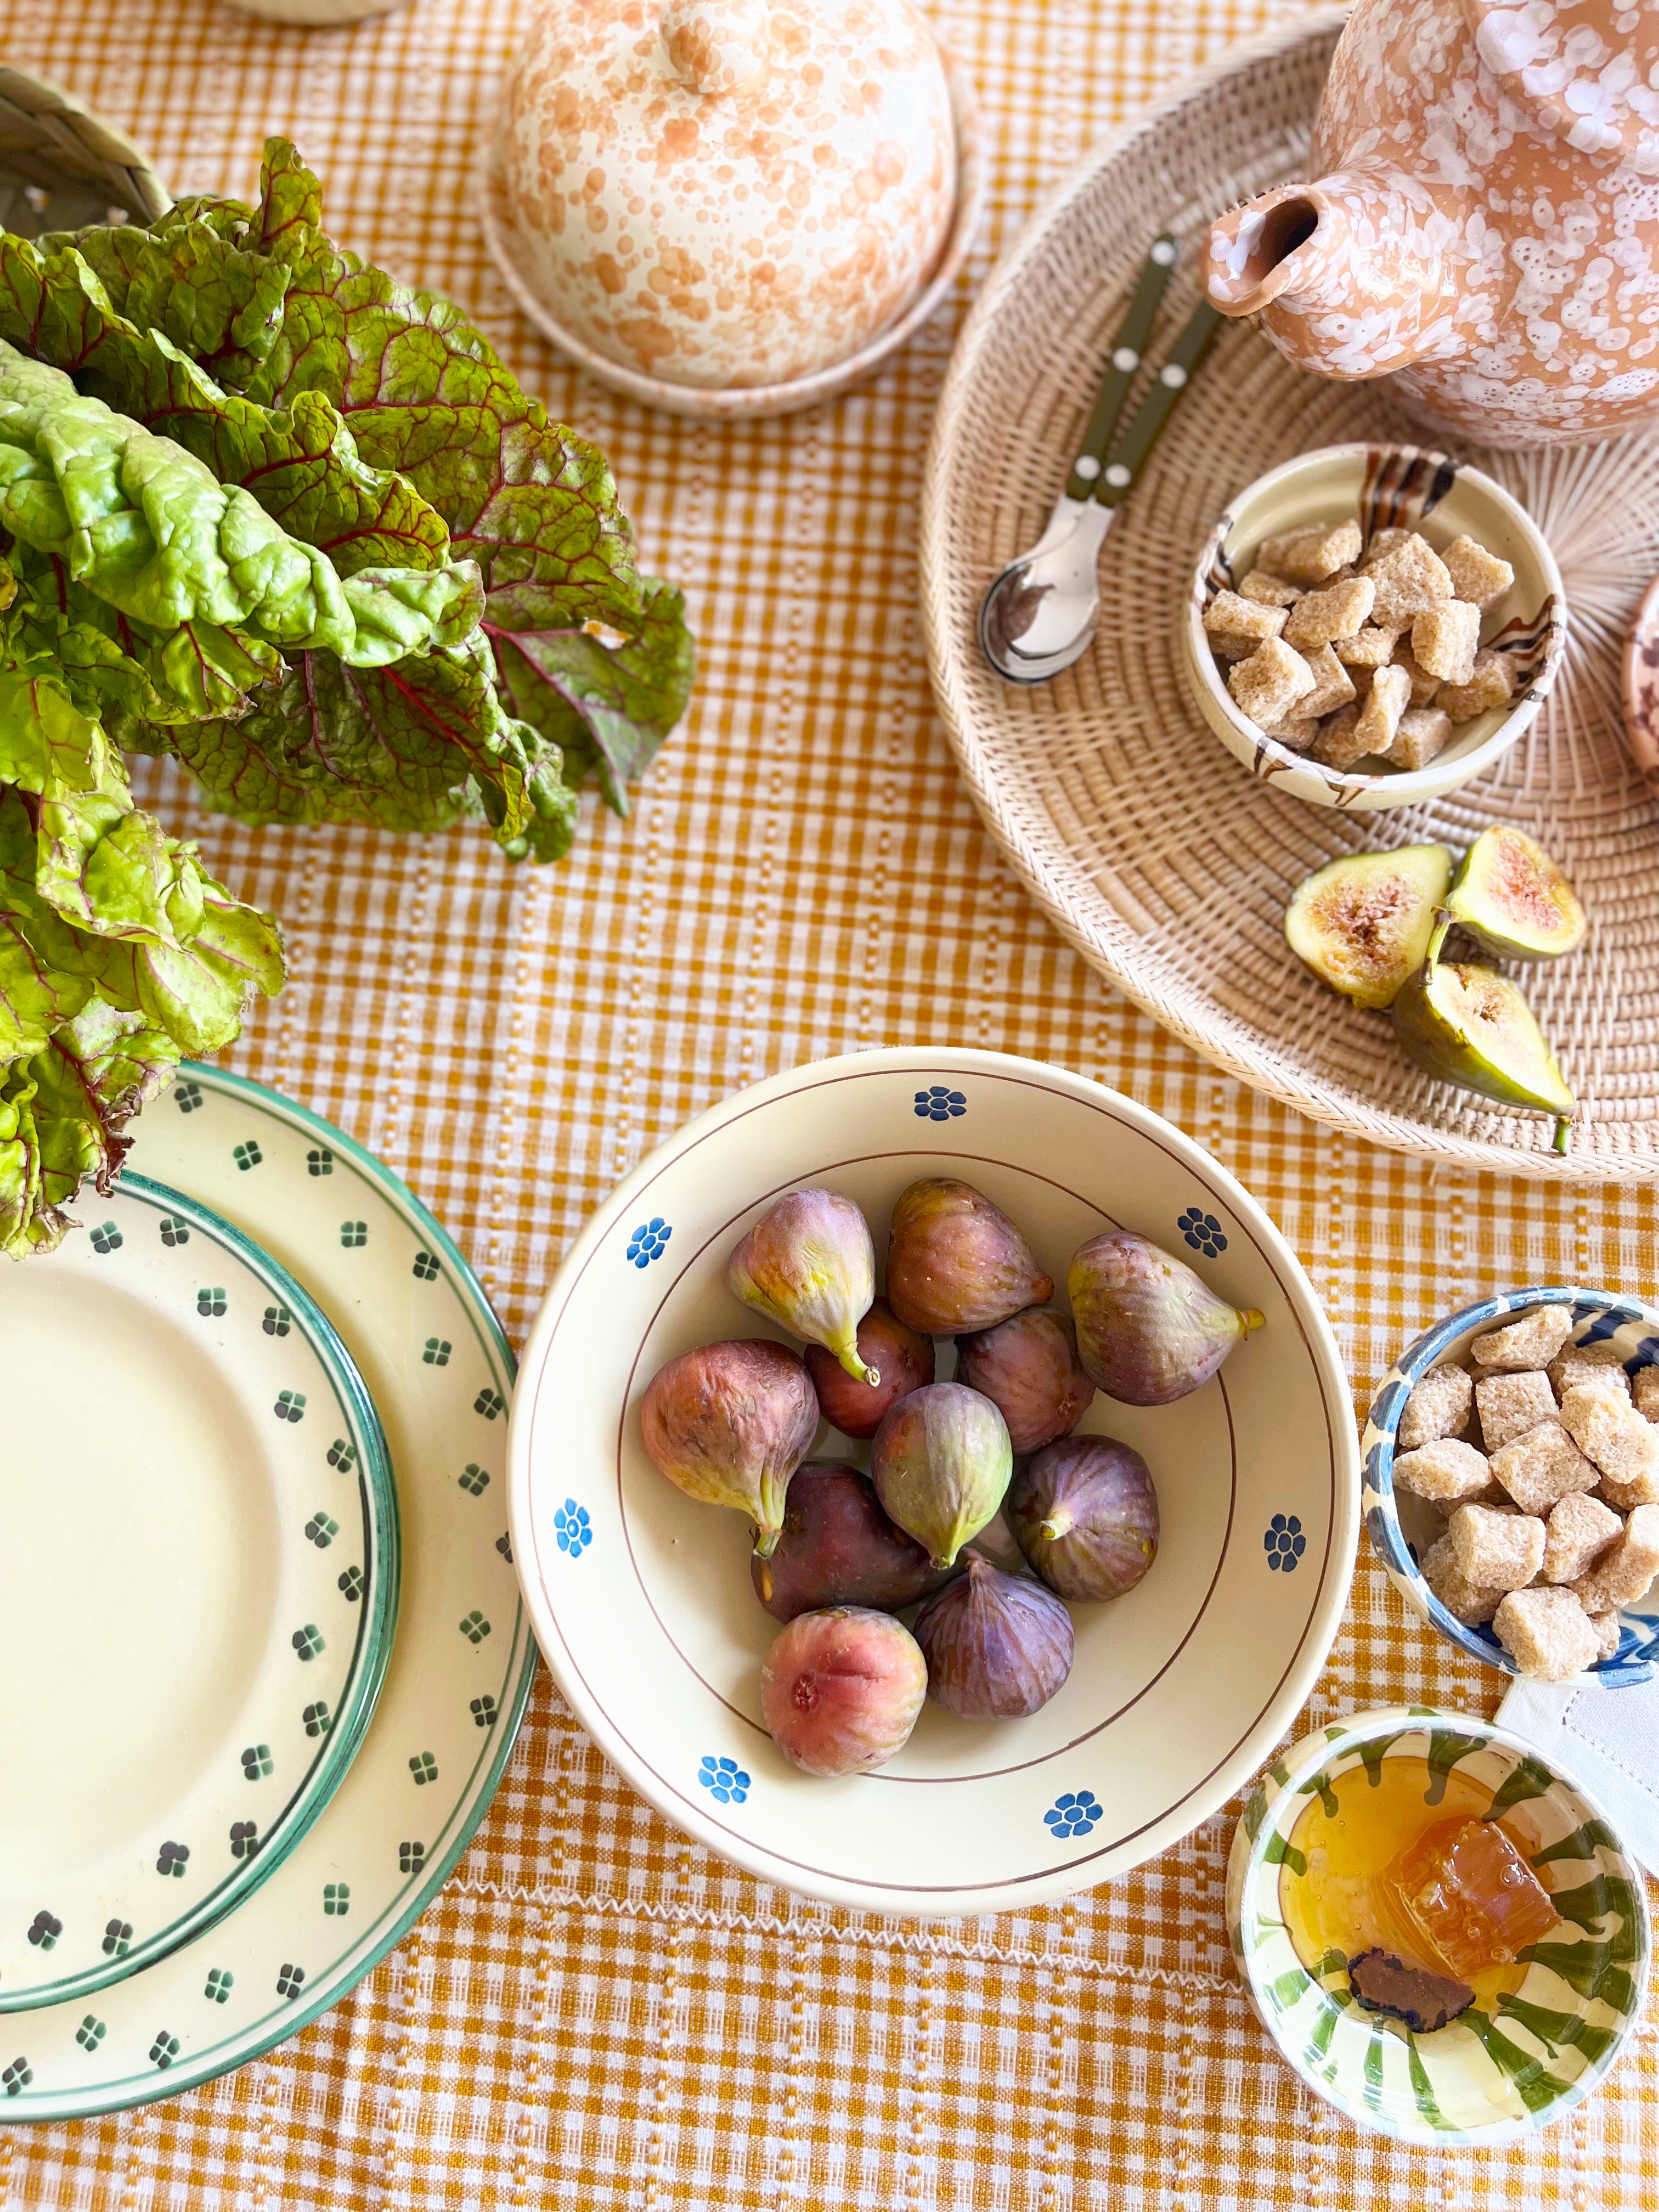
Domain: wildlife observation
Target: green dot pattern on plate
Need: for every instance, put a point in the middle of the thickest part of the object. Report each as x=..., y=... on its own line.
x=278, y=1322
x=343, y=1455
x=321, y=1530
x=291, y=1981
x=354, y=1235
x=244, y=1839
x=290, y=1406
x=337, y=1898
x=247, y=1156
x=474, y=1480
x=219, y=1985
x=211, y=1304
x=426, y=1267
x=475, y=1627
x=172, y=1859
x=174, y=1232
x=350, y=1585
x=436, y=1352
x=411, y=1858
x=490, y=1402
x=316, y=1719
x=90, y=2034
x=423, y=1767
x=256, y=1761
x=482, y=1710
x=308, y=1641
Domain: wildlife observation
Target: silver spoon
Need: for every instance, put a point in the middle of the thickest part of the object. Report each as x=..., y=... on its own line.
x=1039, y=613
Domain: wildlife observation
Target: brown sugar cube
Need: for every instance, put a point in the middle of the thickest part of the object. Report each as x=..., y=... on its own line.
x=1423, y=736
x=1548, y=1634
x=1382, y=541
x=1370, y=647
x=1424, y=686
x=1532, y=1341
x=1579, y=1532
x=1493, y=684
x=1645, y=1391
x=1410, y=578
x=1332, y=685
x=1237, y=626
x=1477, y=576
x=1444, y=1470
x=1589, y=1367
x=1269, y=683
x=1385, y=703
x=1542, y=1465
x=1299, y=732
x=1269, y=591
x=1336, y=610
x=1439, y=1406
x=1608, y=1634
x=1444, y=639
x=1336, y=745
x=1626, y=1569
x=1465, y=1601
x=1309, y=557
x=1511, y=1404
x=1495, y=1549
x=1619, y=1440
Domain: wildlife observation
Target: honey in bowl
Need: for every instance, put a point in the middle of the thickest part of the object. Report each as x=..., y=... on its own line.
x=1400, y=1856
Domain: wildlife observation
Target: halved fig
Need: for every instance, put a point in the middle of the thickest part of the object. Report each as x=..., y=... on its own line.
x=1471, y=1026
x=1514, y=900
x=1363, y=923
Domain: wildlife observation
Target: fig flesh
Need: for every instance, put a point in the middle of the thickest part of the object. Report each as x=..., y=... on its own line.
x=1149, y=1330
x=1471, y=1026
x=998, y=1647
x=838, y=1548
x=941, y=1463
x=809, y=1265
x=1084, y=1513
x=955, y=1262
x=1514, y=900
x=729, y=1425
x=841, y=1690
x=902, y=1358
x=1363, y=922
x=1028, y=1367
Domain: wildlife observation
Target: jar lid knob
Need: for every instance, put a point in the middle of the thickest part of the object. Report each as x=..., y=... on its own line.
x=715, y=45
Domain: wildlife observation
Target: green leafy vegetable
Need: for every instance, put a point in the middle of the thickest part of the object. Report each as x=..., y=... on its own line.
x=270, y=513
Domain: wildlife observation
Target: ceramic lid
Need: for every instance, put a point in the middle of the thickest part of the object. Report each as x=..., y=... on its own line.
x=726, y=192
x=1588, y=69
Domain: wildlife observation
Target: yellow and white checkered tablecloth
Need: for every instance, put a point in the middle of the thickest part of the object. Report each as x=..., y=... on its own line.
x=595, y=2013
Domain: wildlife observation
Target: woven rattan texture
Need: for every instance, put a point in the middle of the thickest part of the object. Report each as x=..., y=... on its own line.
x=1155, y=852
x=596, y=2014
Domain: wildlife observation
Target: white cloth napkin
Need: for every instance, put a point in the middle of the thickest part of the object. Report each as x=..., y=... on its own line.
x=1608, y=1740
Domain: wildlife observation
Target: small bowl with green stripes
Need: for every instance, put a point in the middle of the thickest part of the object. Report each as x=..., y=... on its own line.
x=1489, y=2076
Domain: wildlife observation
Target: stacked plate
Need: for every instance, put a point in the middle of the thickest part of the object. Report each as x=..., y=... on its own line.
x=262, y=1647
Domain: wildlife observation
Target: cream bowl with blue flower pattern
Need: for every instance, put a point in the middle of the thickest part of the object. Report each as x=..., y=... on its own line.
x=642, y=1600
x=1494, y=2073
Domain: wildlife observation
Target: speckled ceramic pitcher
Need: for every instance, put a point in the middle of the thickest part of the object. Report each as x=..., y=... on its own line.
x=1487, y=223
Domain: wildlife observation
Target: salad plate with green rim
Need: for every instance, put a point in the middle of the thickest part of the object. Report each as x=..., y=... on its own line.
x=198, y=1582
x=439, y=1373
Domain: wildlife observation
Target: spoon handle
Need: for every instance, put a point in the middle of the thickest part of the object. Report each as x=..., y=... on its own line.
x=1126, y=350
x=1127, y=457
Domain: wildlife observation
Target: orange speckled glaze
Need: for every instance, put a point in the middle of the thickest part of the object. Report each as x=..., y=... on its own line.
x=1488, y=227
x=722, y=193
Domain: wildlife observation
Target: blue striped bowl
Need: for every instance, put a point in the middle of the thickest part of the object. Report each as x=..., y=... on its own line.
x=1597, y=1316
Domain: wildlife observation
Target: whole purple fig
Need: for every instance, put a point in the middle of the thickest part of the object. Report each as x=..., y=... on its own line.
x=941, y=1463
x=997, y=1646
x=810, y=1265
x=729, y=1425
x=841, y=1690
x=838, y=1548
x=1084, y=1513
x=903, y=1359
x=955, y=1262
x=1029, y=1369
x=1148, y=1330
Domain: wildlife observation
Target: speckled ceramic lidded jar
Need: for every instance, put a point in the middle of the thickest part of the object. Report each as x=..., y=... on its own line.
x=1485, y=221
x=726, y=193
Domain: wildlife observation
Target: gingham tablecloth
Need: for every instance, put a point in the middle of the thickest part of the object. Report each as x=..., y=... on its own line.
x=595, y=2013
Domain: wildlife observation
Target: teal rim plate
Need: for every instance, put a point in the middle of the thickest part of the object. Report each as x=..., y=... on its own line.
x=198, y=1582
x=440, y=1372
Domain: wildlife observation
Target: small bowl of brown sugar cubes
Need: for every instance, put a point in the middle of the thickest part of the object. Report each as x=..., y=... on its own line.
x=1372, y=626
x=1512, y=1483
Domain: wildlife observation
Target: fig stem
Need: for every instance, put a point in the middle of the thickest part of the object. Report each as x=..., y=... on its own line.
x=1563, y=1137
x=1057, y=1525
x=856, y=1368
x=1249, y=1321
x=1442, y=922
x=766, y=1542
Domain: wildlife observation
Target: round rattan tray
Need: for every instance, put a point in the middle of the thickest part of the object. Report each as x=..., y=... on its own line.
x=62, y=167
x=1165, y=862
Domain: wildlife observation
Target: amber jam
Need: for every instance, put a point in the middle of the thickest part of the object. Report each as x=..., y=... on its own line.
x=1400, y=1854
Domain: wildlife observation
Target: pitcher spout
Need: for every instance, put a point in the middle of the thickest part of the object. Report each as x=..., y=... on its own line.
x=1361, y=274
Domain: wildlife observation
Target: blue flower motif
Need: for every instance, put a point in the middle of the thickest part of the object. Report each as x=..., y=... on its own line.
x=648, y=1240
x=1203, y=1232
x=1073, y=1814
x=1284, y=1543
x=725, y=1781
x=573, y=1529
x=938, y=1102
